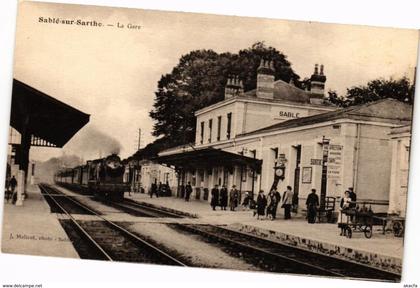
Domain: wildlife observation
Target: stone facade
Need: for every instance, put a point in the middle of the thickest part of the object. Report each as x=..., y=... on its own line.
x=400, y=138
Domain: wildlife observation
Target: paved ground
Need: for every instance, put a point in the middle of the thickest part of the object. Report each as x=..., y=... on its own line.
x=31, y=229
x=386, y=245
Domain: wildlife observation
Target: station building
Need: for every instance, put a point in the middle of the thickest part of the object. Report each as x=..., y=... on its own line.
x=242, y=139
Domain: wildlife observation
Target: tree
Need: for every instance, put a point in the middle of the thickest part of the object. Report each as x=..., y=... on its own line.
x=194, y=83
x=249, y=59
x=400, y=89
x=198, y=80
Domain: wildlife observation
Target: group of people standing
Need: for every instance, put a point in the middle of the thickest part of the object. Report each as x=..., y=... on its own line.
x=267, y=205
x=221, y=197
x=159, y=190
x=312, y=203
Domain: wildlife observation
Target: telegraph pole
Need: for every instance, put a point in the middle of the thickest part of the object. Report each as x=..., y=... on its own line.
x=139, y=142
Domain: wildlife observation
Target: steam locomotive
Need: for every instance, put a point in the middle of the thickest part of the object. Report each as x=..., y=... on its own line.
x=103, y=178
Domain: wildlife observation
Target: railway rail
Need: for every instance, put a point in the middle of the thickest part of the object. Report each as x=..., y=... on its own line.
x=55, y=199
x=139, y=209
x=276, y=257
x=109, y=241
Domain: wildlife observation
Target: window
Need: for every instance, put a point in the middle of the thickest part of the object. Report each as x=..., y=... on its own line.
x=210, y=129
x=219, y=127
x=229, y=124
x=202, y=133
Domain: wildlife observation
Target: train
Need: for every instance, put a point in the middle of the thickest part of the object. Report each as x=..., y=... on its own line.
x=102, y=178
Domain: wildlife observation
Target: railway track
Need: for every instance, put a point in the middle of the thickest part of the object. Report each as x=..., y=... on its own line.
x=55, y=199
x=106, y=240
x=139, y=209
x=268, y=255
x=276, y=257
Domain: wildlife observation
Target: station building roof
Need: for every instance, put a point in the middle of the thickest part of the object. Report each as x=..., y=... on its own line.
x=207, y=157
x=386, y=110
x=43, y=116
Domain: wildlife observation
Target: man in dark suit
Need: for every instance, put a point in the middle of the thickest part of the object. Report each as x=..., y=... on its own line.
x=223, y=197
x=312, y=203
x=214, y=197
x=188, y=191
x=353, y=197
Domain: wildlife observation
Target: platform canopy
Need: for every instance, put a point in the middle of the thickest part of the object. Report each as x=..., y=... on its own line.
x=48, y=121
x=206, y=158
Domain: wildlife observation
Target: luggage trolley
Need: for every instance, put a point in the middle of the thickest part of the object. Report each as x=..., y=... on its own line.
x=355, y=220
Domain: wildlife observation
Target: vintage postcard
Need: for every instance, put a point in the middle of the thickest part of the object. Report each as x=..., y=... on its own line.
x=201, y=140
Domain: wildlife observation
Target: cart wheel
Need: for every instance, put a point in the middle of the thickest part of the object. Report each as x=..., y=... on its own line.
x=348, y=232
x=398, y=229
x=368, y=231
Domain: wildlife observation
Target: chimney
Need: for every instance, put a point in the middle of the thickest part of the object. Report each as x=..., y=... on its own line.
x=234, y=87
x=317, y=86
x=265, y=80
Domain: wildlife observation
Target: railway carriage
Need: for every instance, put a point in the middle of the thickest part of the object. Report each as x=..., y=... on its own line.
x=100, y=177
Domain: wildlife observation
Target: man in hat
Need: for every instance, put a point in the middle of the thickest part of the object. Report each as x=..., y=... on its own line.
x=233, y=198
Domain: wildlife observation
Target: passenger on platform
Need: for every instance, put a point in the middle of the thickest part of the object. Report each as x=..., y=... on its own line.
x=214, y=197
x=13, y=184
x=246, y=202
x=223, y=197
x=153, y=190
x=168, y=189
x=159, y=189
x=233, y=198
x=287, y=201
x=353, y=197
x=163, y=190
x=345, y=205
x=271, y=205
x=278, y=199
x=312, y=203
x=188, y=191
x=252, y=203
x=7, y=189
x=261, y=204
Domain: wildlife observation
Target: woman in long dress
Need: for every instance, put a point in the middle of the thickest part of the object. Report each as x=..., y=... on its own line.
x=312, y=204
x=345, y=204
x=261, y=204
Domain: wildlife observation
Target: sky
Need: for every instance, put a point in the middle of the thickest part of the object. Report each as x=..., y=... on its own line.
x=111, y=73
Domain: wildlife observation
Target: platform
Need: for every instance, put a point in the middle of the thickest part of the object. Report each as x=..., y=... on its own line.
x=383, y=251
x=32, y=230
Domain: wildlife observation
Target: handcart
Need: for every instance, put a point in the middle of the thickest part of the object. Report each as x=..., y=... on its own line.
x=354, y=220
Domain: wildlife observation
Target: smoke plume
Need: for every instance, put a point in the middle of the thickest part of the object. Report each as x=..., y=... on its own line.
x=44, y=171
x=91, y=143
